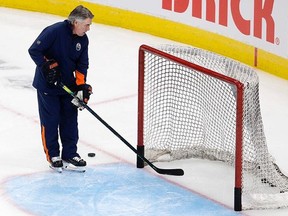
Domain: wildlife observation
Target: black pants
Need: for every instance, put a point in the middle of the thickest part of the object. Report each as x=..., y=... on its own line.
x=58, y=117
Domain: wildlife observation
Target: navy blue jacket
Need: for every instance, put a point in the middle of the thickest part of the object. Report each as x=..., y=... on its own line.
x=70, y=51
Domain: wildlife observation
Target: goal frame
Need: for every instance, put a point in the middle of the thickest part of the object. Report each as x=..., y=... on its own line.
x=239, y=112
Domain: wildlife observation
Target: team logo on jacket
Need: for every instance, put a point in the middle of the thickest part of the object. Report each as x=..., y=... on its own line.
x=78, y=46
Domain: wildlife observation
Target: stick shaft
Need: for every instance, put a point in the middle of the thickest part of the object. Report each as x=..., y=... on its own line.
x=177, y=172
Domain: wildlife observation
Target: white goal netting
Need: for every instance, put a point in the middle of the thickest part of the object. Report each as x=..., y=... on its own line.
x=191, y=114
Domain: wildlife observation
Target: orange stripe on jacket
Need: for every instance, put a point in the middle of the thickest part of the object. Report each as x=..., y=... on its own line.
x=44, y=143
x=80, y=78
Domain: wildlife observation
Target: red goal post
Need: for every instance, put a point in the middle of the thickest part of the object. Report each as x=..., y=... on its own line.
x=194, y=103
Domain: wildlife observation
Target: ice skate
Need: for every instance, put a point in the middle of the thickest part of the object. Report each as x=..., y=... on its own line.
x=56, y=164
x=75, y=164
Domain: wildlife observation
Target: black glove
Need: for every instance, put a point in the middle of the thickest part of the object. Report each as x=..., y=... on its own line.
x=83, y=92
x=51, y=71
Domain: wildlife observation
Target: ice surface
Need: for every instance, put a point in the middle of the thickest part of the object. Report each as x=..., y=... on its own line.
x=113, y=75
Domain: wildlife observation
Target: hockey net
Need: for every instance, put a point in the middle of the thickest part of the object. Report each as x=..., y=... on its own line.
x=197, y=104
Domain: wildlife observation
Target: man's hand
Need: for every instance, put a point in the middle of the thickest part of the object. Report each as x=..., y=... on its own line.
x=51, y=71
x=83, y=92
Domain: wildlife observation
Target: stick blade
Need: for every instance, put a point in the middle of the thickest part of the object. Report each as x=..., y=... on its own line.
x=175, y=172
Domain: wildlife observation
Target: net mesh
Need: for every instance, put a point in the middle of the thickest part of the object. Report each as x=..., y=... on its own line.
x=189, y=114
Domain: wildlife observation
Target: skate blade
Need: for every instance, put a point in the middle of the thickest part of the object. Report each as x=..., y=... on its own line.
x=57, y=169
x=71, y=167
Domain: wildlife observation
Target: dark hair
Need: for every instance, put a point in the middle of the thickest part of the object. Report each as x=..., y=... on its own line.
x=80, y=13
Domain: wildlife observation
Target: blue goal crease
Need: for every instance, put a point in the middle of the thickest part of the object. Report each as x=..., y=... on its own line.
x=110, y=189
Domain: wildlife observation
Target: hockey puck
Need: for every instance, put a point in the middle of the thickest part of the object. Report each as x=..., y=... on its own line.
x=91, y=154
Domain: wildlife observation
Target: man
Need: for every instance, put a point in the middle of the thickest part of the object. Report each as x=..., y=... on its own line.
x=60, y=53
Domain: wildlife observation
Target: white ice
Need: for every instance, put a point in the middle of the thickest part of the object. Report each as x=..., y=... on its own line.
x=113, y=75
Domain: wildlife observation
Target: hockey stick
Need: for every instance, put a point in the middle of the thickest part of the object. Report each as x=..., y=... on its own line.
x=176, y=172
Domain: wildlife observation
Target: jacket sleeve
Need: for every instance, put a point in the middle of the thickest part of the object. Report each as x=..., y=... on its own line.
x=41, y=45
x=82, y=66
